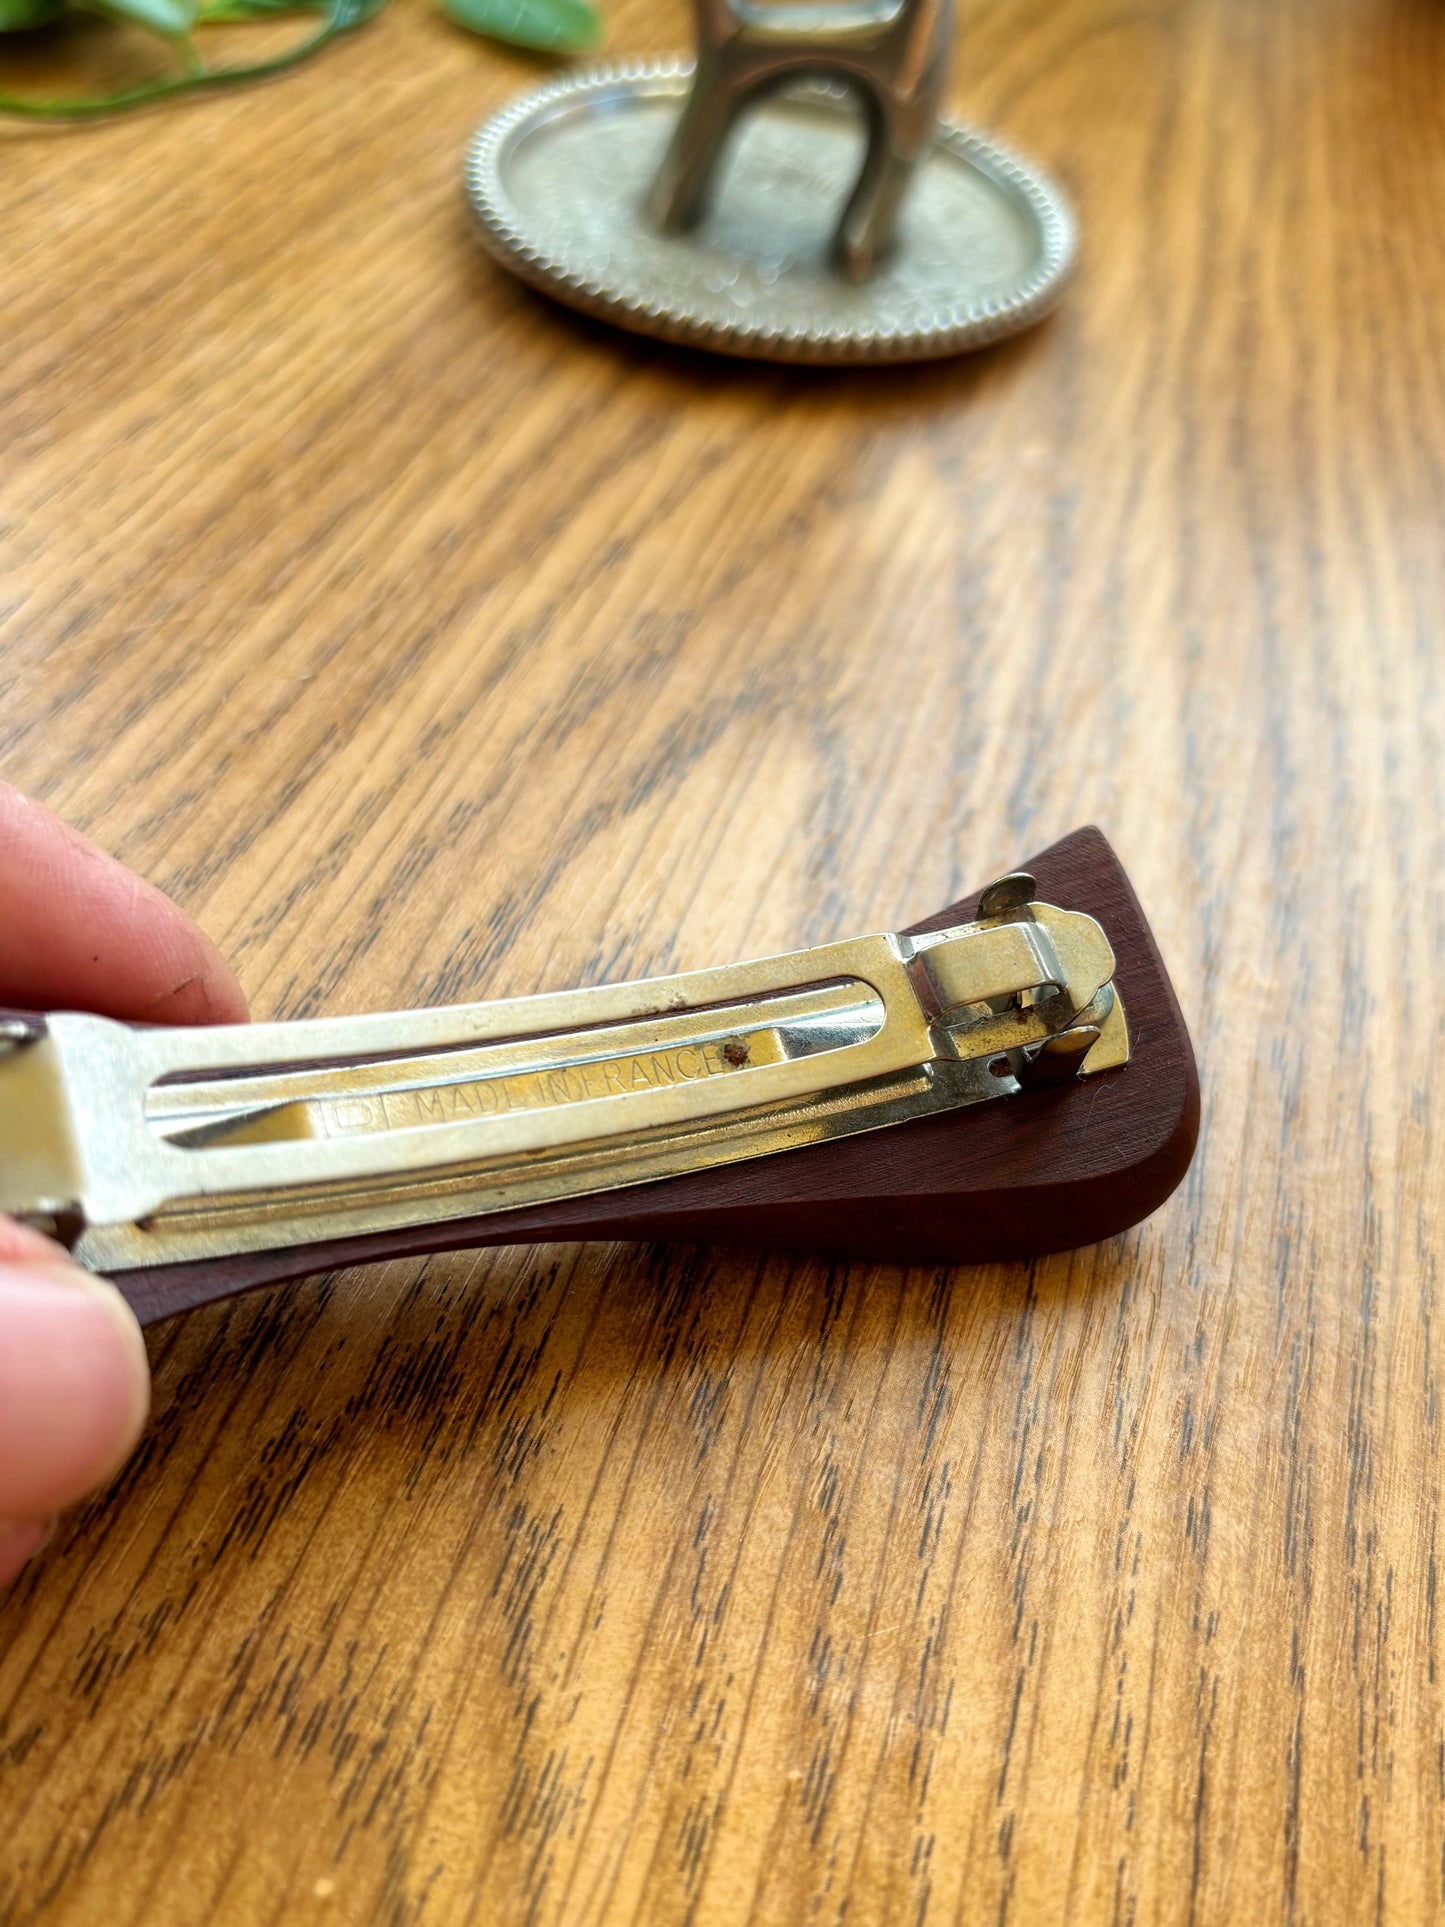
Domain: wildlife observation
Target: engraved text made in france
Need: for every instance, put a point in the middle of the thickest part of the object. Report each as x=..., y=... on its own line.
x=532, y=1090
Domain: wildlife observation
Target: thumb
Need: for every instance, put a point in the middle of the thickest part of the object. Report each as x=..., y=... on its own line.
x=74, y=1387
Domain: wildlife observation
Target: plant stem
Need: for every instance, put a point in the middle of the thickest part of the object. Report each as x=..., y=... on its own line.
x=340, y=15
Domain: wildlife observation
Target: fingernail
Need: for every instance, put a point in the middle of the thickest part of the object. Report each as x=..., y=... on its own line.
x=20, y=1540
x=74, y=1386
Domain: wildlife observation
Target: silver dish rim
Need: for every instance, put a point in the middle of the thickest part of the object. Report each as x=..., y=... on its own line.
x=974, y=324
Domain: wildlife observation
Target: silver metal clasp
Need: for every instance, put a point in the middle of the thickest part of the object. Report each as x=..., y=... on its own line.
x=160, y=1146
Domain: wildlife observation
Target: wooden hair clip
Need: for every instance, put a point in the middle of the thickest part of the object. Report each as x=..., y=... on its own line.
x=1010, y=1077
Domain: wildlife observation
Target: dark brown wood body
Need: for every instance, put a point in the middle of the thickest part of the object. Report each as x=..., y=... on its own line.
x=1037, y=1173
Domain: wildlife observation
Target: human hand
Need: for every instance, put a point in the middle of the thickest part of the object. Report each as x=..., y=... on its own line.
x=79, y=932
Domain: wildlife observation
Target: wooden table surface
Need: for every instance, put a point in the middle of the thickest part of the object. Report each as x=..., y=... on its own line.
x=428, y=644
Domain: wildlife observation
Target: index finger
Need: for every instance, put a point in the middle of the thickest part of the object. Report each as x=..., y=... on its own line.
x=81, y=932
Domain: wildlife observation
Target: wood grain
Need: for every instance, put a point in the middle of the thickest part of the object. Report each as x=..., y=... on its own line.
x=427, y=643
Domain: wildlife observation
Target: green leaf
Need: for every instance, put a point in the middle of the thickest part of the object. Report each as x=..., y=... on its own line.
x=173, y=18
x=551, y=26
x=17, y=15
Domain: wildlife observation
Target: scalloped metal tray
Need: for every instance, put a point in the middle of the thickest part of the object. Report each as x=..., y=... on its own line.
x=559, y=181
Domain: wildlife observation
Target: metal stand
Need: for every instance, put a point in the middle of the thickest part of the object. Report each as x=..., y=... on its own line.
x=647, y=196
x=895, y=56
